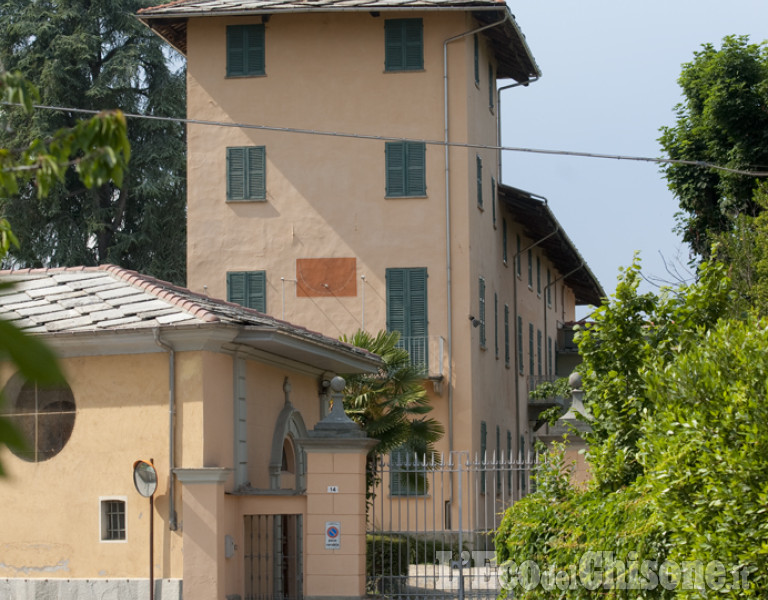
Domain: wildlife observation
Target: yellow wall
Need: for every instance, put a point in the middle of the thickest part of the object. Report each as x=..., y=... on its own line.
x=49, y=525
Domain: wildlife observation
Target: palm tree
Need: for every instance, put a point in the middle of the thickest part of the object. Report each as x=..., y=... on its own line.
x=390, y=405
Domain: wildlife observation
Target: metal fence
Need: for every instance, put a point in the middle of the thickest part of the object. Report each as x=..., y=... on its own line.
x=431, y=523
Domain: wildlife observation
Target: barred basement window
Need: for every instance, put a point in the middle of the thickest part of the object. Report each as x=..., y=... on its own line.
x=112, y=520
x=45, y=417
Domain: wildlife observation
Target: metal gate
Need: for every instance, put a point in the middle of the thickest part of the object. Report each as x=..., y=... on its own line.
x=273, y=557
x=431, y=522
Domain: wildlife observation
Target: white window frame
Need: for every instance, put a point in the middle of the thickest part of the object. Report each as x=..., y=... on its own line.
x=103, y=521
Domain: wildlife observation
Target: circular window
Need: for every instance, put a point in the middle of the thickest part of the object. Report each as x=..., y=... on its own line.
x=45, y=417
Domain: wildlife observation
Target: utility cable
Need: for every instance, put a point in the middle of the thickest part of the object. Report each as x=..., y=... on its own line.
x=362, y=136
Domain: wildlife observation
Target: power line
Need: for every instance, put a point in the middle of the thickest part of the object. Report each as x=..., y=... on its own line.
x=362, y=136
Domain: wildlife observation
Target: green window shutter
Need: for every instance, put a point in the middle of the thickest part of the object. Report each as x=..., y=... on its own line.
x=497, y=471
x=493, y=201
x=407, y=301
x=416, y=174
x=254, y=35
x=396, y=299
x=521, y=366
x=496, y=323
x=235, y=51
x=550, y=362
x=248, y=288
x=417, y=305
x=506, y=335
x=530, y=268
x=246, y=173
x=517, y=259
x=483, y=450
x=245, y=50
x=477, y=60
x=236, y=173
x=407, y=305
x=236, y=288
x=481, y=310
x=538, y=275
x=509, y=460
x=257, y=181
x=414, y=44
x=504, y=240
x=405, y=169
x=479, y=181
x=549, y=288
x=530, y=350
x=539, y=352
x=491, y=86
x=395, y=159
x=403, y=45
x=257, y=290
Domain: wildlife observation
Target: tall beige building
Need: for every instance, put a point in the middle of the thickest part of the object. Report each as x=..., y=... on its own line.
x=343, y=173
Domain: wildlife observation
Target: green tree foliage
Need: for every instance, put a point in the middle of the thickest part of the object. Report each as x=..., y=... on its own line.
x=390, y=405
x=744, y=250
x=98, y=151
x=723, y=120
x=95, y=55
x=676, y=387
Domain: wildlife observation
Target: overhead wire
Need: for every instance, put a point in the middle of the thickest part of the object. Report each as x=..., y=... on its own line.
x=442, y=143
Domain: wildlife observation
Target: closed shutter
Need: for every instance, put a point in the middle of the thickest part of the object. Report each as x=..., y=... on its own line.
x=235, y=51
x=483, y=451
x=395, y=158
x=477, y=60
x=403, y=45
x=506, y=335
x=257, y=188
x=245, y=50
x=248, y=288
x=394, y=59
x=236, y=288
x=236, y=173
x=416, y=176
x=481, y=310
x=405, y=169
x=254, y=35
x=479, y=181
x=414, y=44
x=407, y=311
x=246, y=173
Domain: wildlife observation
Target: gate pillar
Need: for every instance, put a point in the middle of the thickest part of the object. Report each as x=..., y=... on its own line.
x=203, y=511
x=334, y=554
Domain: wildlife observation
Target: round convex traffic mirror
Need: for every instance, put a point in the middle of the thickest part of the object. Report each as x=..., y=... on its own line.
x=144, y=478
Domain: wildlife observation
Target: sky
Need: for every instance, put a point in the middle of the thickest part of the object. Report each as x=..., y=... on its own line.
x=609, y=82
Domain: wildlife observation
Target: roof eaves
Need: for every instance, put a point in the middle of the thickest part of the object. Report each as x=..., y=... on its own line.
x=559, y=247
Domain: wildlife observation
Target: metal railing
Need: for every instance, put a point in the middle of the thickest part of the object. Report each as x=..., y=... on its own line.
x=432, y=522
x=426, y=352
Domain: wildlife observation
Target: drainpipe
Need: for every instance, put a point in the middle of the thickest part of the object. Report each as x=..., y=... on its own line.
x=515, y=258
x=448, y=282
x=172, y=523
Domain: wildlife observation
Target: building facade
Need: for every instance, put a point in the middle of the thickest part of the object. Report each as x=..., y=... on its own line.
x=344, y=172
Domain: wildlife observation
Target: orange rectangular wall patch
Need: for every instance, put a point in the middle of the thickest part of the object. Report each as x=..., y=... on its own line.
x=316, y=277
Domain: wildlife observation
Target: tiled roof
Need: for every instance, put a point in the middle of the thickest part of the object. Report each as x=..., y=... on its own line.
x=513, y=56
x=540, y=225
x=81, y=299
x=233, y=7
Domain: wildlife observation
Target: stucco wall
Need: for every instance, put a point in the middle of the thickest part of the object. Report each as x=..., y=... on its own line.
x=50, y=524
